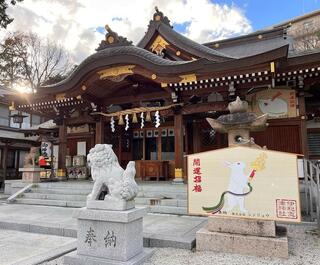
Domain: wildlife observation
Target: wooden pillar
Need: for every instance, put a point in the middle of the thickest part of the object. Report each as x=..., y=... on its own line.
x=4, y=160
x=196, y=136
x=62, y=150
x=144, y=145
x=17, y=163
x=100, y=131
x=159, y=145
x=178, y=148
x=303, y=126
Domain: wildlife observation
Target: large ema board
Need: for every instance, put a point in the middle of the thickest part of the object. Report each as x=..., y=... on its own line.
x=244, y=182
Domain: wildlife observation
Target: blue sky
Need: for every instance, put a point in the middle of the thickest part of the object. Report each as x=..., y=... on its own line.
x=263, y=13
x=200, y=20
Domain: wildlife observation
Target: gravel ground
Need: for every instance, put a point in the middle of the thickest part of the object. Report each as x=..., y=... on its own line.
x=304, y=248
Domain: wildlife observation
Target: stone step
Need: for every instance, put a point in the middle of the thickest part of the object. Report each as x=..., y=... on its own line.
x=59, y=203
x=163, y=194
x=86, y=185
x=48, y=196
x=161, y=202
x=168, y=209
x=72, y=191
x=41, y=202
x=78, y=204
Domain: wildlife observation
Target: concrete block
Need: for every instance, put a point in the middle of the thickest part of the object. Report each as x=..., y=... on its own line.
x=74, y=259
x=110, y=240
x=15, y=226
x=30, y=175
x=42, y=202
x=182, y=203
x=76, y=204
x=70, y=232
x=47, y=230
x=109, y=237
x=242, y=244
x=168, y=209
x=110, y=216
x=169, y=202
x=241, y=226
x=107, y=204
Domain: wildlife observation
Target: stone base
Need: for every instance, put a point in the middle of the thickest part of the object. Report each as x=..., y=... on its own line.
x=241, y=226
x=242, y=244
x=177, y=181
x=110, y=235
x=111, y=205
x=31, y=174
x=75, y=259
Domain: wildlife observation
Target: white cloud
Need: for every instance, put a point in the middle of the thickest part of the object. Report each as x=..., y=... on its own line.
x=73, y=23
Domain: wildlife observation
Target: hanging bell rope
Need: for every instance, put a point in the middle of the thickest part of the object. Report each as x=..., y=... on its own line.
x=134, y=118
x=148, y=117
x=121, y=122
x=135, y=110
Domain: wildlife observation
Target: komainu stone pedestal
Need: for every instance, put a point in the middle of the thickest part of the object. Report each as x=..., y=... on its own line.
x=30, y=174
x=243, y=236
x=109, y=237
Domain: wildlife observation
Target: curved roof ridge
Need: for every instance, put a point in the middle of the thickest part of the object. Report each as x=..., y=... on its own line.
x=119, y=50
x=181, y=42
x=280, y=31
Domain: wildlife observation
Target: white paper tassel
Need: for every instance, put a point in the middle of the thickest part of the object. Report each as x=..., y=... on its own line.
x=127, y=122
x=157, y=116
x=112, y=125
x=142, y=120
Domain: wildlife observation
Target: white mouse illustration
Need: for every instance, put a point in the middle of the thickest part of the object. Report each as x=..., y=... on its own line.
x=237, y=184
x=274, y=107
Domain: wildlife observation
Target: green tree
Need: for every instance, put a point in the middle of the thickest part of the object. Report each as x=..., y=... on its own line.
x=13, y=53
x=5, y=20
x=32, y=61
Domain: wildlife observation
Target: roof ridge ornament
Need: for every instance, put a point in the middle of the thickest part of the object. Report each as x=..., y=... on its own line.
x=112, y=39
x=158, y=16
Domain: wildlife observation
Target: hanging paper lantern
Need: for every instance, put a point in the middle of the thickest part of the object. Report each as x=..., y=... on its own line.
x=112, y=125
x=157, y=117
x=142, y=119
x=148, y=117
x=134, y=118
x=121, y=122
x=127, y=122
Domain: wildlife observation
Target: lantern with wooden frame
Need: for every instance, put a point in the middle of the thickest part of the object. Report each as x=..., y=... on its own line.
x=18, y=117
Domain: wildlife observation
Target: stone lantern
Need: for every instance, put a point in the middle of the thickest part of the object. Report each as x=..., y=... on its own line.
x=239, y=123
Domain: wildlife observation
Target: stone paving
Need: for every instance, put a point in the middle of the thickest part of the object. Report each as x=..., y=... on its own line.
x=160, y=230
x=27, y=248
x=304, y=249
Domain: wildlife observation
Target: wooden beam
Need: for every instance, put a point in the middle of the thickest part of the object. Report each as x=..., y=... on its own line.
x=303, y=126
x=62, y=146
x=178, y=148
x=100, y=131
x=204, y=107
x=130, y=99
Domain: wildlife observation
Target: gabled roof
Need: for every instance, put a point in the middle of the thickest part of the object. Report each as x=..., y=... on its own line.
x=124, y=55
x=160, y=26
x=296, y=19
x=252, y=44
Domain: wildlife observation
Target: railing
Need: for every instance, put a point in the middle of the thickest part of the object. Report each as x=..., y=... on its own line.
x=311, y=185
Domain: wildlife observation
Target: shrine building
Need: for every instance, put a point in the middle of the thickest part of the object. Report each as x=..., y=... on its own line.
x=150, y=100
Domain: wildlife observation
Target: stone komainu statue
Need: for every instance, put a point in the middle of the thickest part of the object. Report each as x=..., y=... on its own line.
x=30, y=158
x=107, y=174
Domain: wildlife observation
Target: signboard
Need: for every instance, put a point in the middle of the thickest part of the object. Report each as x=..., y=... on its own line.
x=46, y=149
x=244, y=182
x=277, y=103
x=78, y=129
